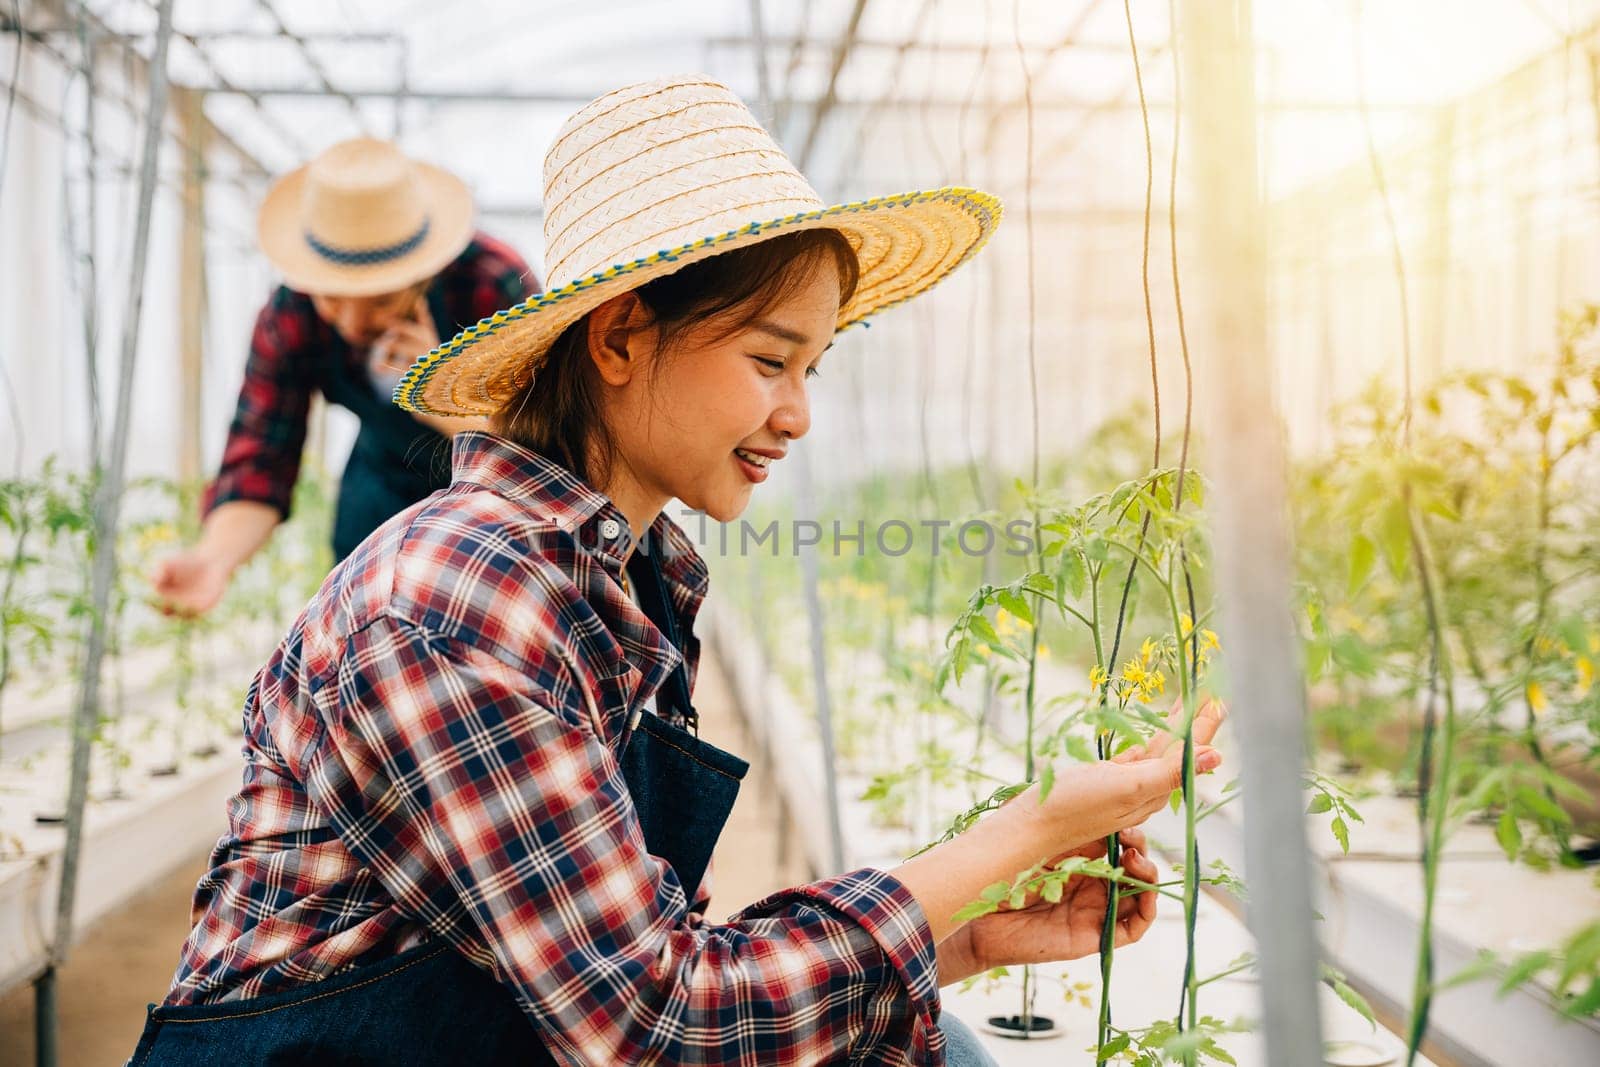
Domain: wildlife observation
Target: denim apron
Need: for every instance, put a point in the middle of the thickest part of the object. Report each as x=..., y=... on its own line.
x=428, y=1005
x=396, y=460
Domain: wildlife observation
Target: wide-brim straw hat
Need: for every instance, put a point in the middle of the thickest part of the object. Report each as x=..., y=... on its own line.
x=363, y=219
x=653, y=177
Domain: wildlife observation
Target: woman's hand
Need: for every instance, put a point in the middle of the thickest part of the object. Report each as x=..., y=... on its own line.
x=1087, y=802
x=1090, y=801
x=1041, y=932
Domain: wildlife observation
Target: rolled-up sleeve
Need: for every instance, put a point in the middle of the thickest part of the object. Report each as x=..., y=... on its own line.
x=261, y=460
x=487, y=805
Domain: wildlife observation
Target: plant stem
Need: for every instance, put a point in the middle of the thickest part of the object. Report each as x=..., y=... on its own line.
x=1436, y=800
x=1189, y=1007
x=1029, y=700
x=1540, y=610
x=1108, y=927
x=1230, y=972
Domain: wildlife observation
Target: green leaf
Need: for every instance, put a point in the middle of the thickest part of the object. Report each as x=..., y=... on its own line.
x=1586, y=1004
x=1481, y=967
x=1438, y=505
x=1541, y=806
x=1047, y=781
x=1120, y=495
x=976, y=910
x=1341, y=832
x=995, y=892
x=1524, y=968
x=1038, y=583
x=981, y=628
x=1320, y=803
x=1363, y=553
x=1394, y=535
x=1316, y=660
x=1353, y=655
x=1111, y=1048
x=959, y=657
x=1508, y=834
x=1180, y=1045
x=1582, y=952
x=1052, y=891
x=1175, y=801
x=1016, y=604
x=1074, y=573
x=1354, y=999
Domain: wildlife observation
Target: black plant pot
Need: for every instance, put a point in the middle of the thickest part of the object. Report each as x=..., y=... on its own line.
x=1010, y=1026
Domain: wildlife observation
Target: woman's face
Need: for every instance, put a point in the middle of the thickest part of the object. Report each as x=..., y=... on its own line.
x=706, y=424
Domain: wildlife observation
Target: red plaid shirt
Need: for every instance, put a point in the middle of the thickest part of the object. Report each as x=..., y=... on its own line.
x=261, y=459
x=432, y=753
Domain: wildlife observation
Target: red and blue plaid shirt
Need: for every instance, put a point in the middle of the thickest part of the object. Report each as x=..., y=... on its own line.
x=289, y=346
x=432, y=753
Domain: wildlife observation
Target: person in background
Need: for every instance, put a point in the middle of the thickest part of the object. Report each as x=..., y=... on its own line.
x=380, y=258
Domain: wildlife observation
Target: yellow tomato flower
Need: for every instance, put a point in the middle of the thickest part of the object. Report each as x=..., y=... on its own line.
x=1585, y=676
x=1098, y=676
x=1536, y=698
x=1005, y=623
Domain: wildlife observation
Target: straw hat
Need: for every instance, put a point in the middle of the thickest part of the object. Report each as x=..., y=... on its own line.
x=362, y=219
x=655, y=176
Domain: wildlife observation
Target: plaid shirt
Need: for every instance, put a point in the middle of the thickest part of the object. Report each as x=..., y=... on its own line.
x=261, y=459
x=432, y=752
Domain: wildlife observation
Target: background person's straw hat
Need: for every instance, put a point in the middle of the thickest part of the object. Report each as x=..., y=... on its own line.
x=652, y=177
x=363, y=219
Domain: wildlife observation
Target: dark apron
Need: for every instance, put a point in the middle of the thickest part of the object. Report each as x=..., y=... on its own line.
x=429, y=1006
x=396, y=460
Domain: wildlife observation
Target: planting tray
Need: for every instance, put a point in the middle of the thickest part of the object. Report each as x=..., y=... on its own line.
x=133, y=836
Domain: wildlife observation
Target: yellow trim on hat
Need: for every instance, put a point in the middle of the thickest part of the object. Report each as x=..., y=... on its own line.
x=408, y=394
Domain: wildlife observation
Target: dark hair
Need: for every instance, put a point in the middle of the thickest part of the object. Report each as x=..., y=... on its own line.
x=557, y=412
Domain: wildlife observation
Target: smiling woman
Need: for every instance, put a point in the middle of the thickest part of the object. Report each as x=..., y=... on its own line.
x=765, y=313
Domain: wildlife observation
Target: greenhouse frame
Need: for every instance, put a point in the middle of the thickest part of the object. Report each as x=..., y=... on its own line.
x=1267, y=378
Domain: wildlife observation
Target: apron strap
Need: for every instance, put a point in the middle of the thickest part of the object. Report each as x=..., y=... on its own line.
x=644, y=570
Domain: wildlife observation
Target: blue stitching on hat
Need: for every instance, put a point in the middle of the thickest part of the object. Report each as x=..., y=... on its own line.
x=367, y=257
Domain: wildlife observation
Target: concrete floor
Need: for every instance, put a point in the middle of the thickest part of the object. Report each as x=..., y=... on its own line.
x=120, y=964
x=124, y=962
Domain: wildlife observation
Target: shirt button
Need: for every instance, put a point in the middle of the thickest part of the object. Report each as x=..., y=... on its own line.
x=610, y=529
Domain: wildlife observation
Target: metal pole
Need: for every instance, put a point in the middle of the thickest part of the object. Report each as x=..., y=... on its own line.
x=1252, y=536
x=107, y=505
x=191, y=290
x=758, y=33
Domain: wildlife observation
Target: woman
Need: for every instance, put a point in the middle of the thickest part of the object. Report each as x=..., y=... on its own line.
x=473, y=811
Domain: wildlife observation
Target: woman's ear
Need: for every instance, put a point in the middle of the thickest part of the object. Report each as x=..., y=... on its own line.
x=620, y=338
